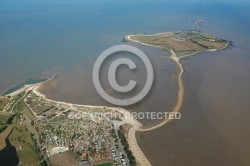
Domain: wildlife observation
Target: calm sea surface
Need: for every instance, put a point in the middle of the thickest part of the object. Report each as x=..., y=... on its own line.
x=38, y=35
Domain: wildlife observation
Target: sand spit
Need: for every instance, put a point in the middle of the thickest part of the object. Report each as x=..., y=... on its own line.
x=135, y=125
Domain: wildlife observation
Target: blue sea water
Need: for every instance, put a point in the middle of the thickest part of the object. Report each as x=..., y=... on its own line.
x=36, y=35
x=19, y=86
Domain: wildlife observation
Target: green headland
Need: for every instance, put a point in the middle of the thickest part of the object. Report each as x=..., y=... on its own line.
x=181, y=42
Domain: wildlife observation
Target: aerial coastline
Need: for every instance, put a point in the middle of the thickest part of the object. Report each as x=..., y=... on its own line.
x=176, y=58
x=196, y=111
x=180, y=93
x=135, y=125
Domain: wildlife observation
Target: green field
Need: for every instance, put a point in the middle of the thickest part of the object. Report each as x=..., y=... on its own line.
x=21, y=139
x=3, y=119
x=23, y=109
x=182, y=43
x=3, y=102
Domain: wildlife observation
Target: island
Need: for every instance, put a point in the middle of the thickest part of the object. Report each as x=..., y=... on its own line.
x=183, y=43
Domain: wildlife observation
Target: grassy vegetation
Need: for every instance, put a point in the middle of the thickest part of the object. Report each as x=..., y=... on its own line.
x=210, y=45
x=7, y=122
x=11, y=100
x=182, y=42
x=18, y=96
x=3, y=119
x=33, y=104
x=6, y=129
x=3, y=102
x=184, y=53
x=22, y=107
x=121, y=134
x=20, y=136
x=21, y=139
x=65, y=158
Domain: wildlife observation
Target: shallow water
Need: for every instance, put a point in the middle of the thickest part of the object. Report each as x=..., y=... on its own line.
x=37, y=36
x=224, y=94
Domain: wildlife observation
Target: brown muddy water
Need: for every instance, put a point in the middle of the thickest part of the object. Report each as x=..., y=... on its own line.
x=224, y=96
x=190, y=140
x=214, y=129
x=76, y=85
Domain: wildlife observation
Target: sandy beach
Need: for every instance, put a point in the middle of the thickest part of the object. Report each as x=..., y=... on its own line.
x=19, y=90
